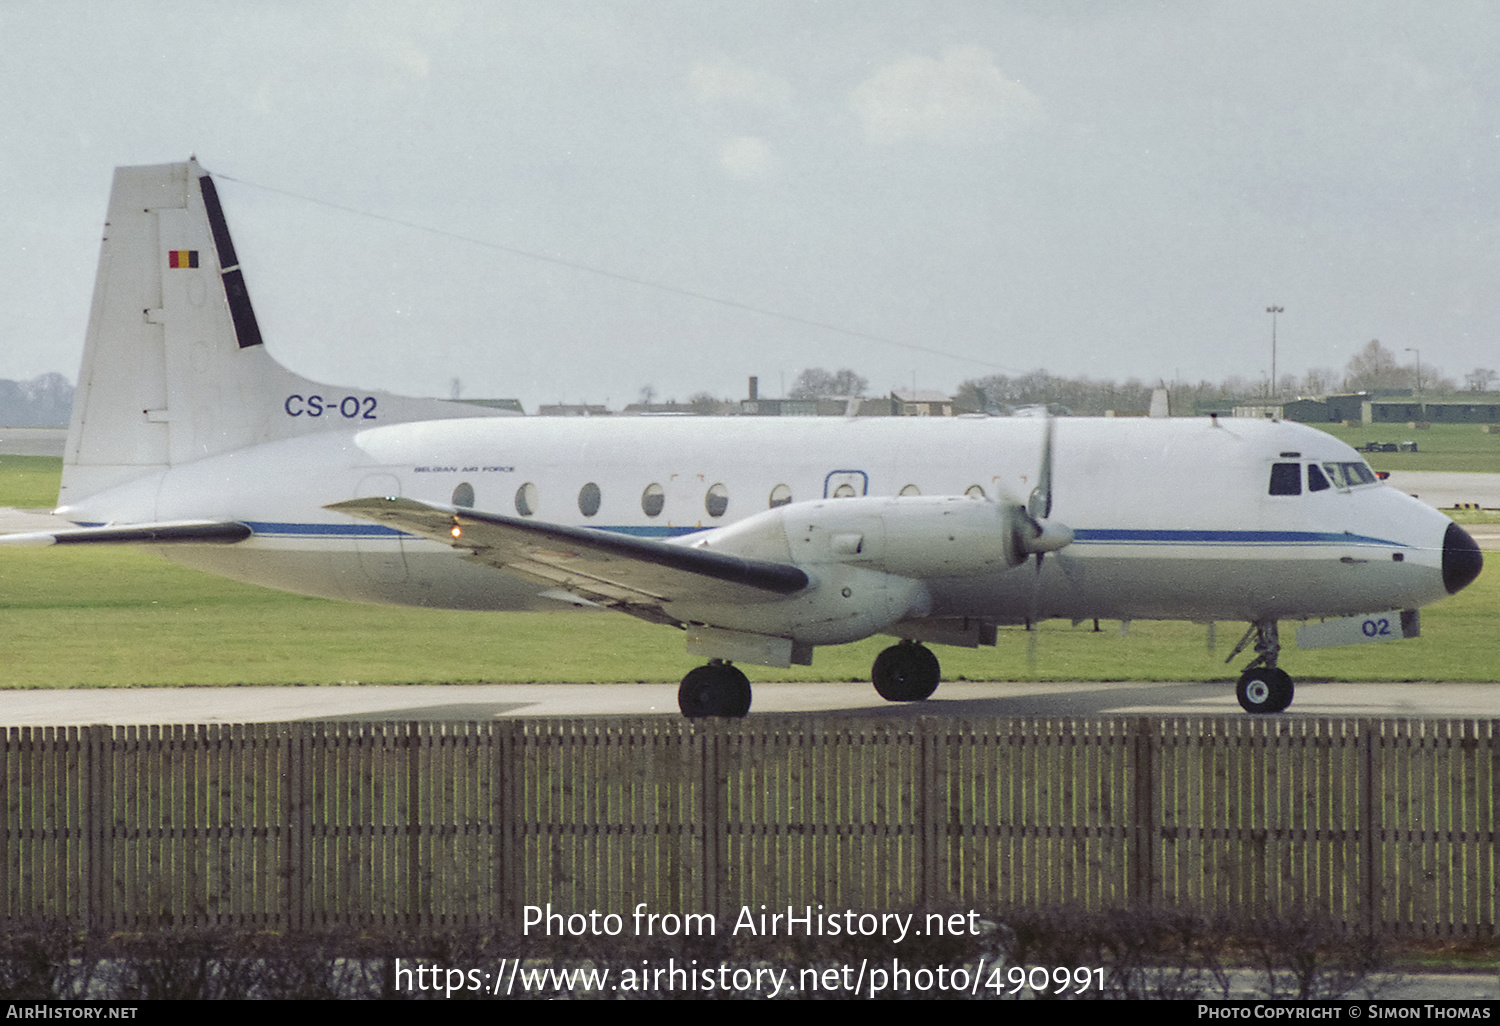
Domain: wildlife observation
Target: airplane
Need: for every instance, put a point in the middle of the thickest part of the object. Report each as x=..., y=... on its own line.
x=759, y=538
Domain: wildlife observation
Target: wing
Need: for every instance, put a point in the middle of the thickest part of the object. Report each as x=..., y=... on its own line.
x=639, y=576
x=196, y=532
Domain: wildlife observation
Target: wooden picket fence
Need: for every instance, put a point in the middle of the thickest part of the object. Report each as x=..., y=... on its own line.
x=1373, y=824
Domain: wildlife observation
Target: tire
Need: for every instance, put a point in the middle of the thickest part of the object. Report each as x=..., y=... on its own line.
x=1264, y=691
x=717, y=689
x=906, y=673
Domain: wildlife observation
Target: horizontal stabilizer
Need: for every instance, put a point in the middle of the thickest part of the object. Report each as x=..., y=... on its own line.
x=617, y=569
x=196, y=532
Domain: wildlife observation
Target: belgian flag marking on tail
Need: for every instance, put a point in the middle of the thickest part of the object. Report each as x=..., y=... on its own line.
x=182, y=258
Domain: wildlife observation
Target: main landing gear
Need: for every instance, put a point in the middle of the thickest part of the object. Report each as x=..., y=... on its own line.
x=907, y=672
x=717, y=689
x=1263, y=688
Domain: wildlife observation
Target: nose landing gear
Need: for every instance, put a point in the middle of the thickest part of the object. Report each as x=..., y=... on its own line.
x=1263, y=688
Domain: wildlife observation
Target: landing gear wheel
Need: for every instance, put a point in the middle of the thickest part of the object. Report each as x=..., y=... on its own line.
x=906, y=673
x=717, y=689
x=1264, y=690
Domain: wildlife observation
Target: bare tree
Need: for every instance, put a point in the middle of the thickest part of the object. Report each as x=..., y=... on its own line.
x=1374, y=367
x=817, y=383
x=1479, y=379
x=1435, y=382
x=704, y=403
x=1320, y=381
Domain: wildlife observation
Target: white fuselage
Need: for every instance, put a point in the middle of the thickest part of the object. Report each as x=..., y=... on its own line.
x=1171, y=518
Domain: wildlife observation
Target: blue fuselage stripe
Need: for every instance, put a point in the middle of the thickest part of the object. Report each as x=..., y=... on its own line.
x=1125, y=536
x=1081, y=536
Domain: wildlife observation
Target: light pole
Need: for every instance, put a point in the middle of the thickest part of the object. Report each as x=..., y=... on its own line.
x=1409, y=349
x=1273, y=311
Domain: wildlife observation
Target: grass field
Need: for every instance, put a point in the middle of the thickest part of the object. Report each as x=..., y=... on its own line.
x=119, y=617
x=108, y=617
x=29, y=482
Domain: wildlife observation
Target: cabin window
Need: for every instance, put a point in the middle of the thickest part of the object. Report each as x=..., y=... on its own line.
x=781, y=495
x=1286, y=479
x=911, y=490
x=526, y=499
x=844, y=491
x=717, y=500
x=463, y=495
x=653, y=500
x=588, y=499
x=1316, y=482
x=974, y=492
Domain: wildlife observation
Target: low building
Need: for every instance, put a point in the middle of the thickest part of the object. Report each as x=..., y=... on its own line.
x=1387, y=406
x=572, y=410
x=509, y=405
x=672, y=409
x=1479, y=408
x=920, y=403
x=836, y=407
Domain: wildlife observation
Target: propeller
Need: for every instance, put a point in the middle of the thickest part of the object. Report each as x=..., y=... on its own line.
x=1040, y=534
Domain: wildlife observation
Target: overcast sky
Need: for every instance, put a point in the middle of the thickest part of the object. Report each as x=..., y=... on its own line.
x=1107, y=189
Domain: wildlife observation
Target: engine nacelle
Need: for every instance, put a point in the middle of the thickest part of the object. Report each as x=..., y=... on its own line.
x=867, y=559
x=915, y=536
x=842, y=604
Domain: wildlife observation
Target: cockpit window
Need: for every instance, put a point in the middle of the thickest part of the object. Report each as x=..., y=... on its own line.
x=1316, y=482
x=1286, y=479
x=1350, y=475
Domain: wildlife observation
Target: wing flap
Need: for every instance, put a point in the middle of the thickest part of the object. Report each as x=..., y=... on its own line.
x=618, y=570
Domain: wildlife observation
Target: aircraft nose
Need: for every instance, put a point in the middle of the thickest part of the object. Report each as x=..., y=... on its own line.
x=1461, y=559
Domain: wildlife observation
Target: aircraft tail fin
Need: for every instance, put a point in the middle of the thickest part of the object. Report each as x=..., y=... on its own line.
x=174, y=365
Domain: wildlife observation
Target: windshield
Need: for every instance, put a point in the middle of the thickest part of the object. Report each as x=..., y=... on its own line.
x=1350, y=475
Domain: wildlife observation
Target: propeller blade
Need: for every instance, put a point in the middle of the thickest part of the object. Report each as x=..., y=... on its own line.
x=1070, y=567
x=1033, y=625
x=1039, y=504
x=1046, y=537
